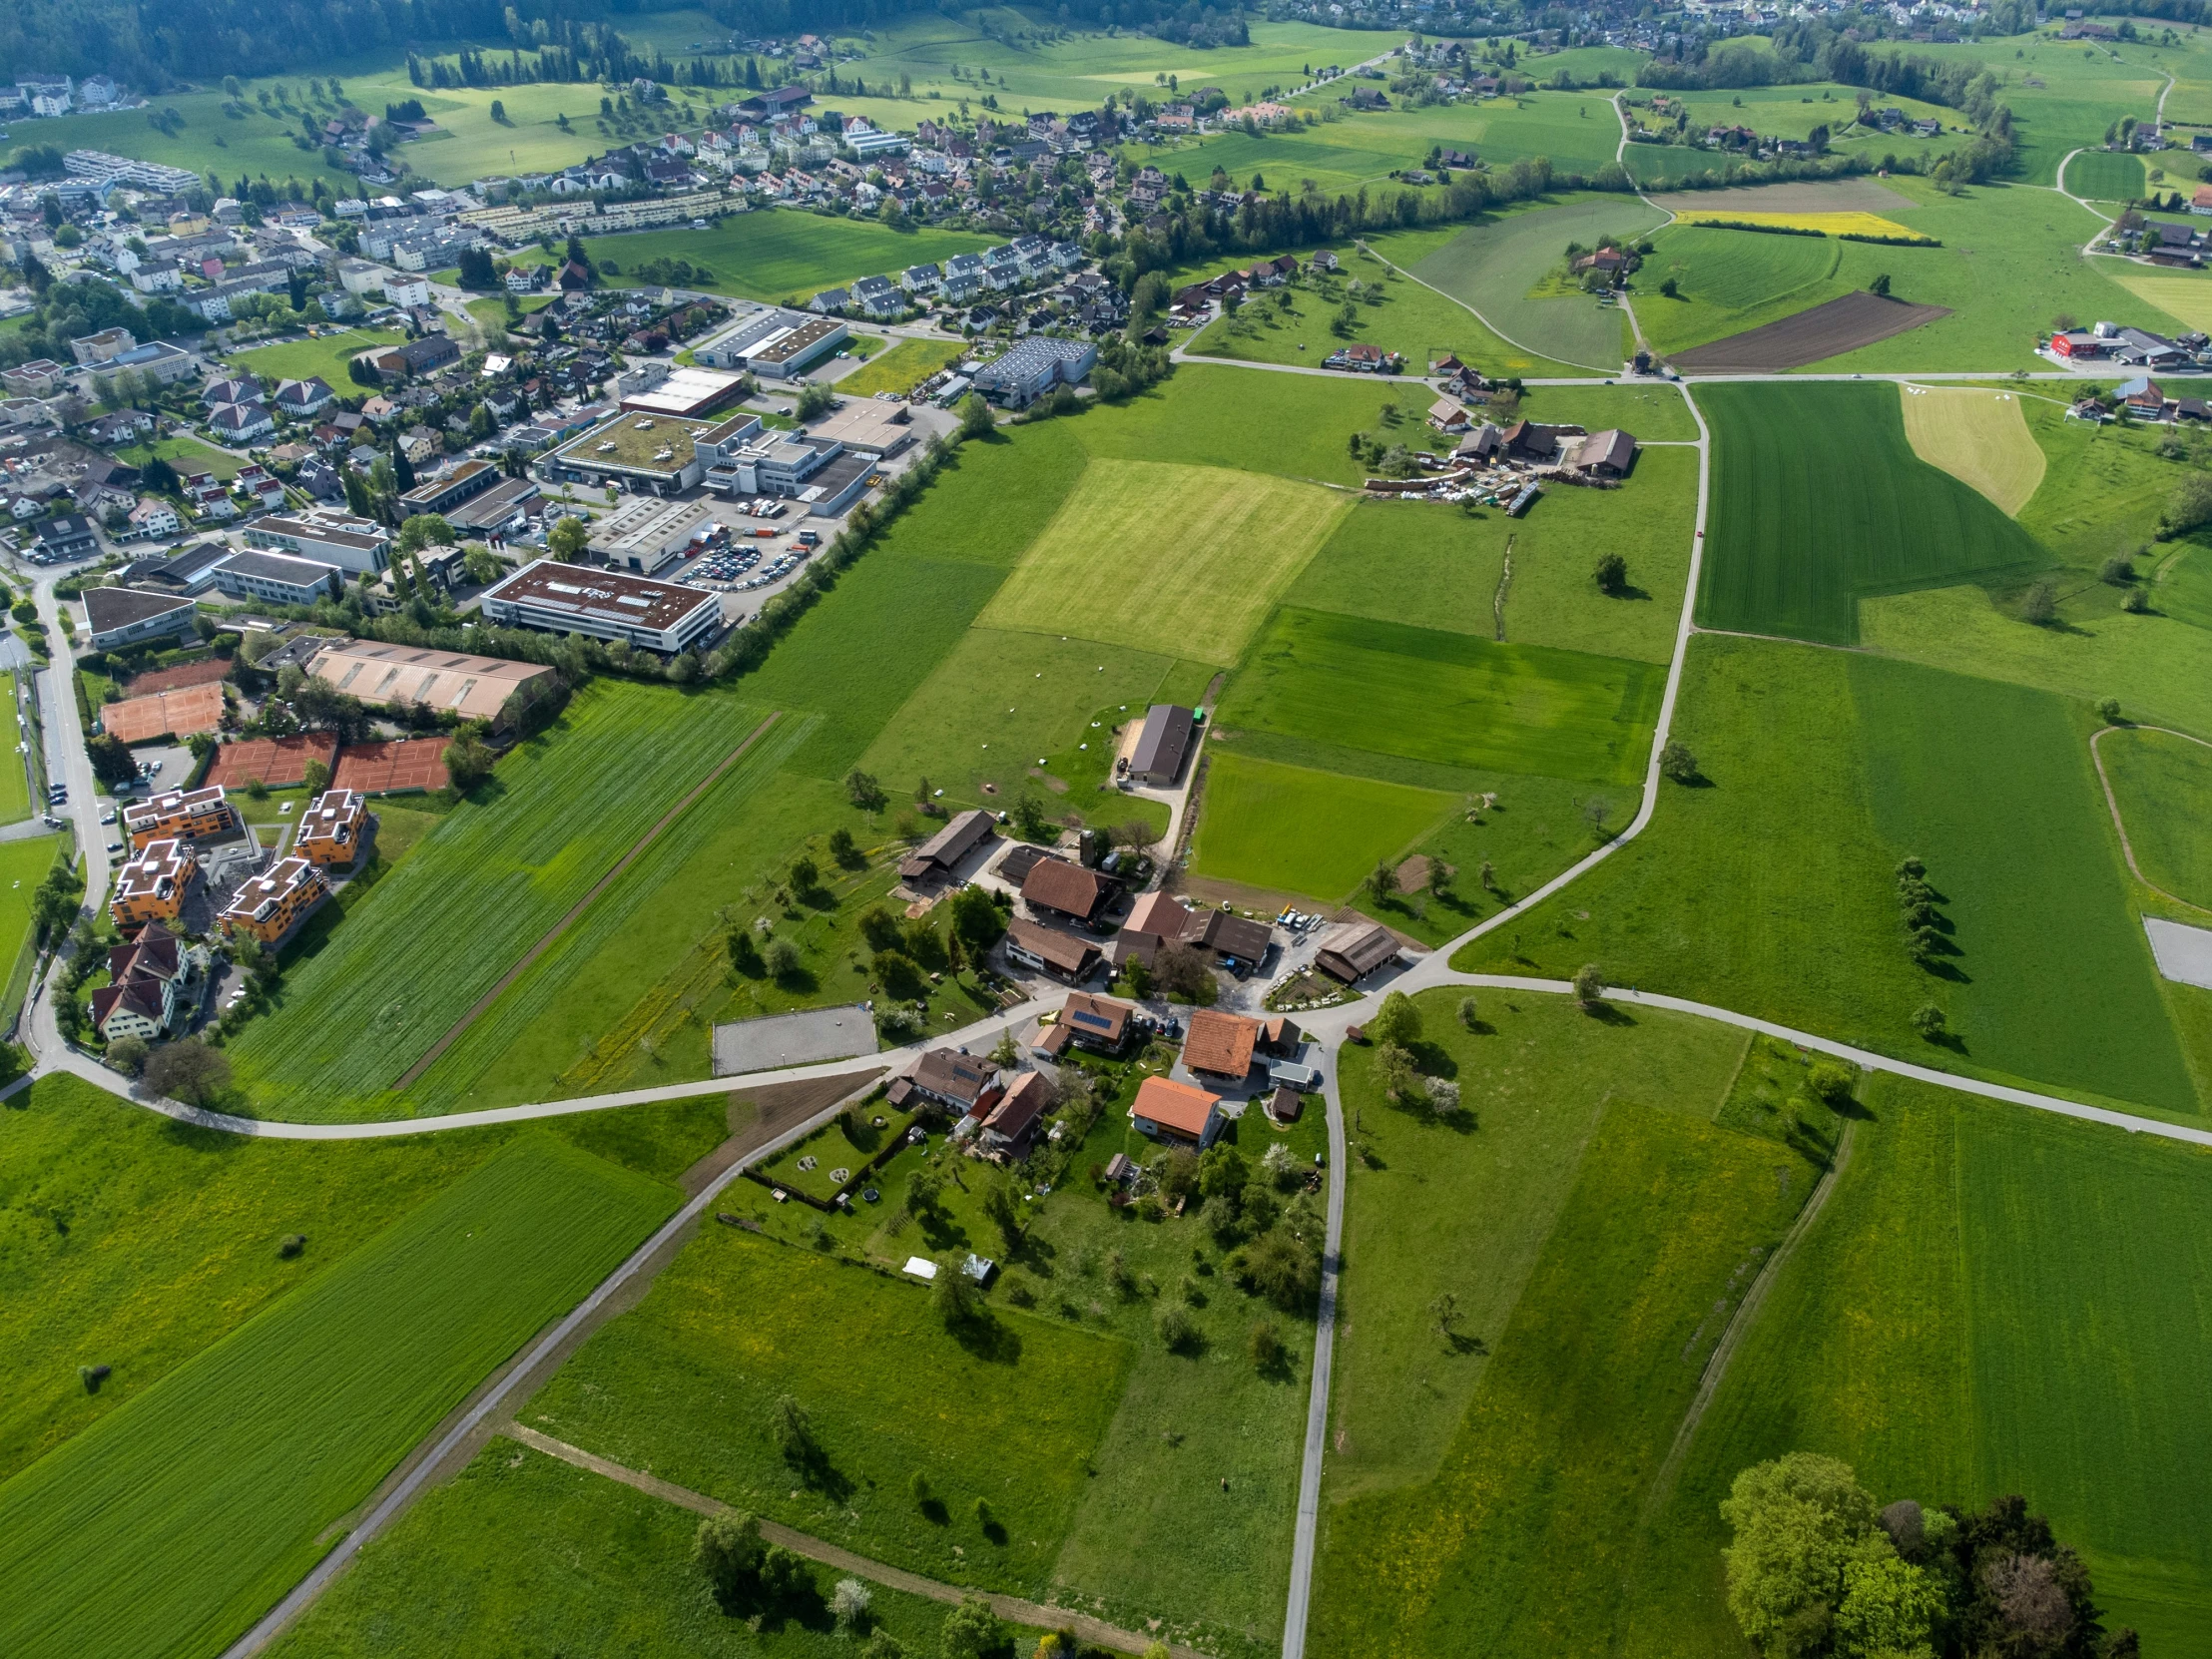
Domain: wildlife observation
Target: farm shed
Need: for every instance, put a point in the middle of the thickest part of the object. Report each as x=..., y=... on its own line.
x=1353, y=949
x=1163, y=744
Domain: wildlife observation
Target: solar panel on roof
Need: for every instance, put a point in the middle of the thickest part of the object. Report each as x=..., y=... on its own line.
x=1084, y=1017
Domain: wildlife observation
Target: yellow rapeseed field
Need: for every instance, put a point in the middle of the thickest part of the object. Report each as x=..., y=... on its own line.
x=1832, y=225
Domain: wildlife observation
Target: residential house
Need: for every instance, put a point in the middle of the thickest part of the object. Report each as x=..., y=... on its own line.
x=152, y=517
x=1011, y=1124
x=1181, y=1112
x=60, y=539
x=189, y=815
x=149, y=980
x=332, y=829
x=1097, y=1023
x=153, y=886
x=879, y=297
x=1218, y=1044
x=1041, y=948
x=269, y=906
x=242, y=422
x=300, y=398
x=950, y=1080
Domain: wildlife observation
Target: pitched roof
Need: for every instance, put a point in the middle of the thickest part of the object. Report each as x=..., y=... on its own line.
x=1220, y=1043
x=1069, y=889
x=1227, y=935
x=1362, y=946
x=1097, y=1018
x=1023, y=1104
x=955, y=1077
x=949, y=844
x=1159, y=913
x=106, y=608
x=1061, y=951
x=1180, y=1106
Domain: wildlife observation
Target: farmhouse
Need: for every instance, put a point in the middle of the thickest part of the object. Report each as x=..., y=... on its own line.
x=1220, y=1045
x=573, y=599
x=1060, y=954
x=1170, y=1111
x=1353, y=949
x=1609, y=454
x=1235, y=940
x=1163, y=744
x=153, y=886
x=268, y=907
x=1066, y=890
x=330, y=828
x=1009, y=1124
x=951, y=1080
x=475, y=688
x=940, y=855
x=116, y=616
x=188, y=814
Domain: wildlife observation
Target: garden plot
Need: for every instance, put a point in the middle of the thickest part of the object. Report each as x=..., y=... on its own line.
x=799, y=1039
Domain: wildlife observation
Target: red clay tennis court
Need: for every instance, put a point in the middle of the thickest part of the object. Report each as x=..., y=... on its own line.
x=382, y=768
x=178, y=678
x=277, y=762
x=140, y=719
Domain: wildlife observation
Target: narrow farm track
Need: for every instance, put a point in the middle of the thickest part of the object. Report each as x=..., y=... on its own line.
x=1036, y=1615
x=637, y=852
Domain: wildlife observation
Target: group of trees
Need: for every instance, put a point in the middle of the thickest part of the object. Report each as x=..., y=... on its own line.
x=1817, y=1572
x=1394, y=1030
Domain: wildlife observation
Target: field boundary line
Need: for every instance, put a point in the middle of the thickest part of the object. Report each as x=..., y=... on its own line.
x=637, y=852
x=304, y=1594
x=2112, y=803
x=1541, y=356
x=1016, y=1608
x=1745, y=1315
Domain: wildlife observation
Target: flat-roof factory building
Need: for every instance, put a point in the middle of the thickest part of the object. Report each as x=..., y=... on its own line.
x=606, y=604
x=774, y=342
x=637, y=451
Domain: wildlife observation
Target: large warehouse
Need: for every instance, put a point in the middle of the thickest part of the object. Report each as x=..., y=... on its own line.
x=606, y=604
x=636, y=452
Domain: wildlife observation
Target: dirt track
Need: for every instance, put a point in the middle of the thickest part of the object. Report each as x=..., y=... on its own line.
x=1811, y=337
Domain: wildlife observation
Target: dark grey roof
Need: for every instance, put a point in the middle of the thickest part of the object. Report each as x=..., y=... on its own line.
x=1164, y=742
x=181, y=566
x=109, y=608
x=278, y=567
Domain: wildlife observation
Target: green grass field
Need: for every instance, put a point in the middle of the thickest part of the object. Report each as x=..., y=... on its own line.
x=1510, y=1453
x=784, y=254
x=15, y=780
x=1933, y=1331
x=1788, y=111
x=1779, y=899
x=901, y=369
x=1295, y=829
x=1238, y=541
x=2162, y=782
x=1794, y=549
x=1449, y=699
x=684, y=1386
x=1729, y=280
x=170, y=1525
x=511, y=863
x=1494, y=267
x=184, y=455
x=2102, y=176
x=303, y=359
x=558, y=1560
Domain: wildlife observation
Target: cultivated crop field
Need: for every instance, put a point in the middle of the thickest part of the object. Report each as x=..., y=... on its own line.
x=1795, y=548
x=1808, y=337
x=2163, y=782
x=1979, y=437
x=1199, y=591
x=511, y=863
x=1292, y=829
x=170, y=1525
x=684, y=1386
x=1494, y=267
x=1445, y=698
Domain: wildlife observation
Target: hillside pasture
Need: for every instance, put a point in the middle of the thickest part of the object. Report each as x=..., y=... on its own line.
x=1295, y=829
x=172, y=1523
x=1450, y=699
x=684, y=1386
x=1795, y=549
x=1979, y=437
x=2163, y=783
x=2103, y=175
x=1199, y=556
x=1495, y=268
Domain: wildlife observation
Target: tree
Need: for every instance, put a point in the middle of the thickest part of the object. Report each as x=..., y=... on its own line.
x=1283, y=1269
x=813, y=399
x=1677, y=763
x=1589, y=985
x=1611, y=575
x=1396, y=1071
x=1443, y=1096
x=482, y=563
x=2040, y=605
x=1879, y=285
x=403, y=470
x=842, y=847
x=424, y=530
x=188, y=1070
x=896, y=972
x=468, y=761
x=1266, y=1345
x=976, y=419
x=128, y=1055
x=1890, y=1606
x=110, y=760
x=1797, y=1520
x=1001, y=1211
x=848, y=1604
x=315, y=775
x=974, y=1632
x=1930, y=1022
x=1671, y=288
x=568, y=538
x=728, y=1549
x=1382, y=884
x=781, y=958
x=2190, y=505
x=1397, y=1023
x=1469, y=1016
x=863, y=791
x=957, y=1298
x=978, y=922
x=793, y=1430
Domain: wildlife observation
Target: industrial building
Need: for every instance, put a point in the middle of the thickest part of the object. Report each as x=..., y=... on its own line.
x=609, y=605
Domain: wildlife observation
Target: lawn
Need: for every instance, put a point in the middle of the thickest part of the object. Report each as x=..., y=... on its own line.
x=1771, y=889
x=1292, y=829
x=1494, y=267
x=303, y=359
x=172, y=1523
x=15, y=779
x=684, y=1386
x=785, y=255
x=184, y=455
x=1795, y=548
x=1452, y=700
x=521, y=1553
x=1622, y=1229
x=513, y=862
x=2163, y=782
x=901, y=369
x=1202, y=590
x=1935, y=1331
x=23, y=866
x=1979, y=437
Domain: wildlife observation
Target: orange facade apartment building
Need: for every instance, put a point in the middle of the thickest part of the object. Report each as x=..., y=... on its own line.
x=271, y=905
x=152, y=887
x=188, y=814
x=330, y=831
